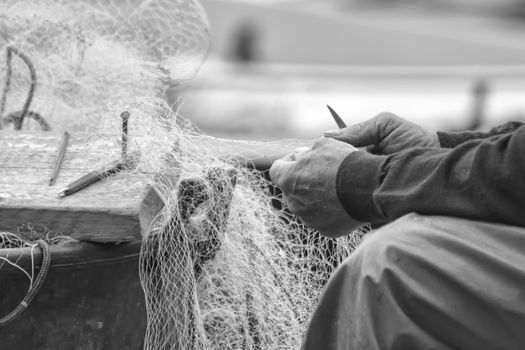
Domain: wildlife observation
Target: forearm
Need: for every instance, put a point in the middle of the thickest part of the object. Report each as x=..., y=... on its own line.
x=453, y=139
x=479, y=179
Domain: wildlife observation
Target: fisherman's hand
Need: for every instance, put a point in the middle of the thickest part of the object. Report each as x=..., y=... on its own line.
x=307, y=178
x=386, y=133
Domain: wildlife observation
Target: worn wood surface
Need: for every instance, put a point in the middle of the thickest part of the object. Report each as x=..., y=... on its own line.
x=117, y=209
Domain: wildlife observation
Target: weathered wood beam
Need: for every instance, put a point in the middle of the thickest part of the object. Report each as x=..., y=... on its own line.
x=116, y=209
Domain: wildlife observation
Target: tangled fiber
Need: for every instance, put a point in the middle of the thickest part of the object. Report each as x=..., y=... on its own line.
x=224, y=265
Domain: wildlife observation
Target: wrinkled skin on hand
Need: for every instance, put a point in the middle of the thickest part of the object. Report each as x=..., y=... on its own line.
x=307, y=178
x=386, y=133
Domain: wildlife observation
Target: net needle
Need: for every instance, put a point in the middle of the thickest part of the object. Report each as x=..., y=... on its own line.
x=93, y=176
x=60, y=157
x=340, y=123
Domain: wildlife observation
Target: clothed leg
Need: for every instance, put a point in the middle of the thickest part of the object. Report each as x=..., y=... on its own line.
x=427, y=283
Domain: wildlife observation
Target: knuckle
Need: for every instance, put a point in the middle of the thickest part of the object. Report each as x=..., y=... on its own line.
x=386, y=122
x=322, y=142
x=387, y=116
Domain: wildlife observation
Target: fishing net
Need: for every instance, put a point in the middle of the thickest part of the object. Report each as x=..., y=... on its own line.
x=223, y=268
x=69, y=59
x=224, y=264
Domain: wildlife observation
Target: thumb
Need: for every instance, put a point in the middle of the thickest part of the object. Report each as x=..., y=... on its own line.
x=280, y=168
x=359, y=135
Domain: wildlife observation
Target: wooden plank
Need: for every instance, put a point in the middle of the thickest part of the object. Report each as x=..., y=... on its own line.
x=117, y=209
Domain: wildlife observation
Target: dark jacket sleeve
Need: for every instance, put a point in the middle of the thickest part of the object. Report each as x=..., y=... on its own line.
x=482, y=179
x=453, y=139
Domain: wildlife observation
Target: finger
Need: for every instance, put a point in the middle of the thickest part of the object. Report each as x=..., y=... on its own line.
x=330, y=143
x=321, y=142
x=279, y=169
x=290, y=157
x=358, y=135
x=299, y=152
x=369, y=132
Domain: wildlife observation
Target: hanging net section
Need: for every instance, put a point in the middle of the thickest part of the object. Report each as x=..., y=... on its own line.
x=225, y=266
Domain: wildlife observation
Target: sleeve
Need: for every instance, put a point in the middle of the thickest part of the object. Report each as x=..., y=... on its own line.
x=479, y=179
x=453, y=139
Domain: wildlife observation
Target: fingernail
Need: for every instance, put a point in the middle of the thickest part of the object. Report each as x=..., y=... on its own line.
x=333, y=133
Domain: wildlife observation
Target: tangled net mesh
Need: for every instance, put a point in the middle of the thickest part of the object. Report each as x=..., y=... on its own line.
x=89, y=53
x=224, y=265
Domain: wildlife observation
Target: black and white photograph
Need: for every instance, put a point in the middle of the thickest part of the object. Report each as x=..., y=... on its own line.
x=262, y=174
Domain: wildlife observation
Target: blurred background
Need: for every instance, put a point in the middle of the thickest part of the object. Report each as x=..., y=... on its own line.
x=275, y=64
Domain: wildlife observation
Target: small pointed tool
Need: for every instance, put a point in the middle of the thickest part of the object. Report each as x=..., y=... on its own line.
x=60, y=157
x=340, y=123
x=125, y=162
x=94, y=176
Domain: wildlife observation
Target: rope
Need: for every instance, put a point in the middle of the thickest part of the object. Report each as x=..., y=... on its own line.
x=31, y=293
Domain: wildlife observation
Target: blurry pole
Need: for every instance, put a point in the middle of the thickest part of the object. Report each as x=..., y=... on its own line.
x=479, y=98
x=245, y=41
